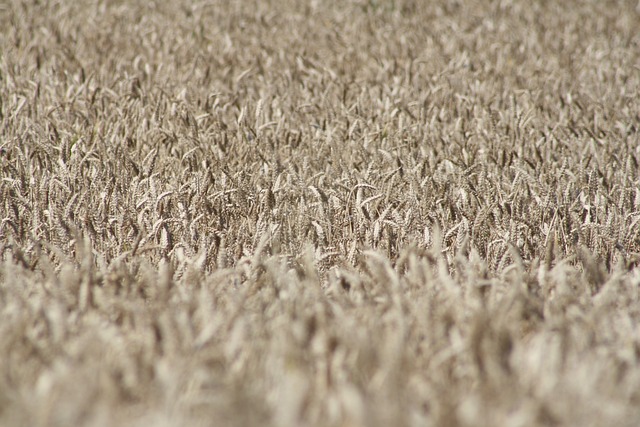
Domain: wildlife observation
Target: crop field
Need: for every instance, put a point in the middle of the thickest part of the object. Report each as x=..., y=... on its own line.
x=319, y=213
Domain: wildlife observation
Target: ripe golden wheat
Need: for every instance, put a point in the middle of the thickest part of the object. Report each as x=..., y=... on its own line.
x=360, y=213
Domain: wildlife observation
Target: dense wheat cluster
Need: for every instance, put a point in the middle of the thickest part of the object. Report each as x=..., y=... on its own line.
x=319, y=213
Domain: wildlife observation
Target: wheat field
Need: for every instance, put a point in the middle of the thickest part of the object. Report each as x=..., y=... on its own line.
x=319, y=213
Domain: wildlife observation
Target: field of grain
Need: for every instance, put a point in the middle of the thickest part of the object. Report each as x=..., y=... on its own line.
x=319, y=213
